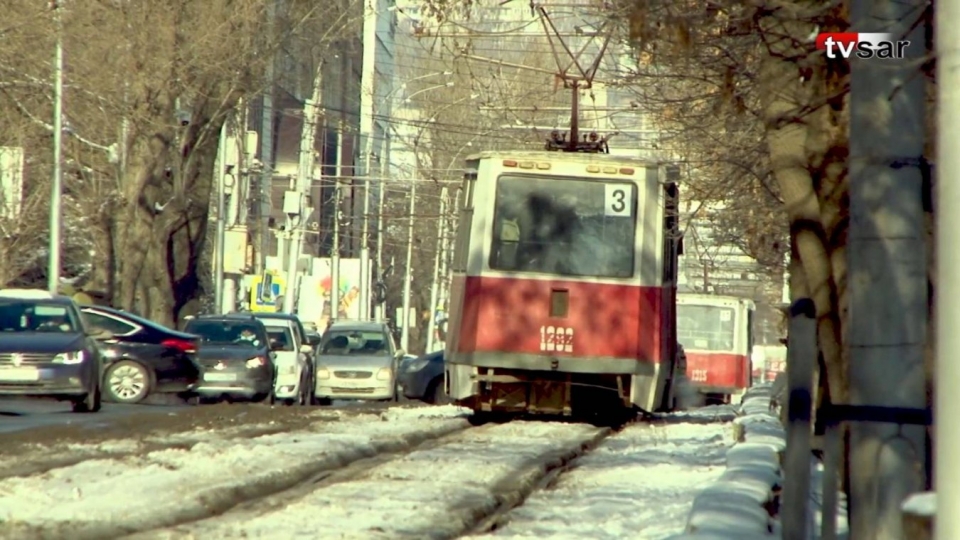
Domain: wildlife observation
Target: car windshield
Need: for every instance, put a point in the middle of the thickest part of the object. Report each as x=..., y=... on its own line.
x=21, y=316
x=705, y=328
x=353, y=343
x=226, y=333
x=281, y=337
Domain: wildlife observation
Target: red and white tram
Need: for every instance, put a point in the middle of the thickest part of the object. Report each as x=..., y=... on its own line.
x=564, y=285
x=717, y=337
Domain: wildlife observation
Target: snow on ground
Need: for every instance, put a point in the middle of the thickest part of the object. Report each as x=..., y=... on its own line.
x=164, y=484
x=638, y=484
x=430, y=493
x=816, y=505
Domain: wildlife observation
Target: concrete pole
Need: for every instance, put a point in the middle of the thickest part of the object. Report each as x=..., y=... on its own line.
x=367, y=100
x=947, y=458
x=886, y=268
x=408, y=274
x=56, y=185
x=434, y=289
x=381, y=193
x=221, y=217
x=306, y=162
x=335, y=253
x=266, y=148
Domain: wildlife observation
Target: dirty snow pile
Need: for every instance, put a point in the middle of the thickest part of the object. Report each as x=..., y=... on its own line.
x=104, y=497
x=433, y=492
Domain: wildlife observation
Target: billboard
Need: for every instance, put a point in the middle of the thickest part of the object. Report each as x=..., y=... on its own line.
x=313, y=304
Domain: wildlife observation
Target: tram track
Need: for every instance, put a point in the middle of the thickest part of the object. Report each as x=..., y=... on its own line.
x=456, y=482
x=468, y=513
x=177, y=502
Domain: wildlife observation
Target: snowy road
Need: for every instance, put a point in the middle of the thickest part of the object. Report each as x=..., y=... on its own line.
x=403, y=473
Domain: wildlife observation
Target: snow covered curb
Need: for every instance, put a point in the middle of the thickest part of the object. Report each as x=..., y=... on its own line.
x=233, y=478
x=741, y=502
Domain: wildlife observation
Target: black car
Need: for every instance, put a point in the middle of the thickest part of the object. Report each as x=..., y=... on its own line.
x=298, y=325
x=235, y=357
x=46, y=350
x=142, y=357
x=422, y=378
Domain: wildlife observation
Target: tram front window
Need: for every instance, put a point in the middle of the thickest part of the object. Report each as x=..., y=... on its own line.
x=705, y=328
x=564, y=226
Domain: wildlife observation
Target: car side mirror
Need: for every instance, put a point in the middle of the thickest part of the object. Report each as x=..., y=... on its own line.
x=306, y=349
x=101, y=335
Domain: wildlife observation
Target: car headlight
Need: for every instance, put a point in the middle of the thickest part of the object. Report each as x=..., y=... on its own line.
x=73, y=357
x=383, y=374
x=323, y=373
x=418, y=364
x=254, y=363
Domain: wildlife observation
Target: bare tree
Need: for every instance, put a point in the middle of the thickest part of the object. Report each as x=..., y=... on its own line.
x=144, y=110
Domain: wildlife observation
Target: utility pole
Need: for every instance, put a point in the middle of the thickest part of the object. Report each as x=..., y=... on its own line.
x=307, y=160
x=384, y=164
x=221, y=217
x=367, y=100
x=266, y=147
x=408, y=274
x=947, y=459
x=56, y=185
x=335, y=253
x=887, y=276
x=436, y=271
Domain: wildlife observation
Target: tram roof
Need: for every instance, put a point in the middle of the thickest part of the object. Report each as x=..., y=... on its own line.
x=712, y=299
x=578, y=157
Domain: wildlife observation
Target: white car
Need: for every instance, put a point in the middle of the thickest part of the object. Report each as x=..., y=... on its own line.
x=295, y=378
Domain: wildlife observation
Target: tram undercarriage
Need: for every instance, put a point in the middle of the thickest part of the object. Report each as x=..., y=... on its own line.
x=501, y=392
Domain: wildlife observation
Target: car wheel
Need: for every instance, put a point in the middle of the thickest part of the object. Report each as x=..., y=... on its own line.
x=127, y=382
x=90, y=403
x=304, y=398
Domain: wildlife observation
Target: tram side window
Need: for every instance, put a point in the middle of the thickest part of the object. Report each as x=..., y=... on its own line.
x=561, y=226
x=464, y=224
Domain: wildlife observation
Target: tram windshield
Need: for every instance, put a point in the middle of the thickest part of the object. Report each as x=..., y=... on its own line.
x=564, y=226
x=705, y=328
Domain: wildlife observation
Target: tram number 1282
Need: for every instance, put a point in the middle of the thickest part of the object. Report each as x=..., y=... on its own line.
x=556, y=338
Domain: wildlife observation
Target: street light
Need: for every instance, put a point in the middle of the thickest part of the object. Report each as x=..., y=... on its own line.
x=408, y=273
x=365, y=280
x=56, y=188
x=418, y=92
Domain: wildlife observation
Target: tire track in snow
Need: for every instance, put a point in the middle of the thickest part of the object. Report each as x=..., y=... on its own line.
x=116, y=497
x=39, y=458
x=441, y=490
x=639, y=483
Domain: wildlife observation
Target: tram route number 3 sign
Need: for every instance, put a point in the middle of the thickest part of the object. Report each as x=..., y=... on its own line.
x=618, y=200
x=556, y=338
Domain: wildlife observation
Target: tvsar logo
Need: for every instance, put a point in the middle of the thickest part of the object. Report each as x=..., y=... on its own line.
x=844, y=45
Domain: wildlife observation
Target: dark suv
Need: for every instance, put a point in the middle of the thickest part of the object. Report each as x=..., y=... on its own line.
x=46, y=351
x=235, y=357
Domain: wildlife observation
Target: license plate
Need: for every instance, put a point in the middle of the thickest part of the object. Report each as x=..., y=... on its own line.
x=19, y=374
x=220, y=377
x=342, y=383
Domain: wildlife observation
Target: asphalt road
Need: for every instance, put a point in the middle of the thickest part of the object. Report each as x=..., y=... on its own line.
x=24, y=414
